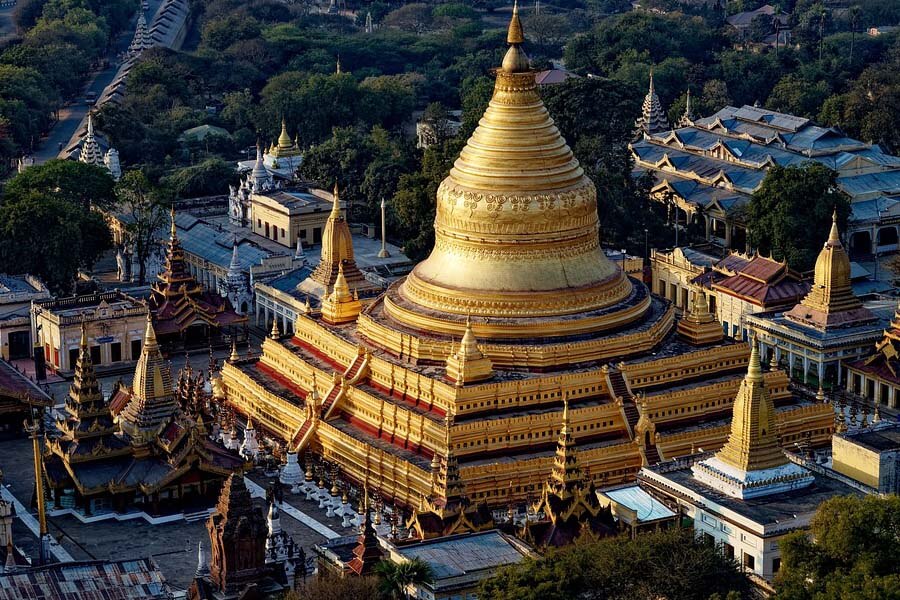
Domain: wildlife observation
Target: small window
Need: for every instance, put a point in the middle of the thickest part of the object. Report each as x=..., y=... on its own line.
x=749, y=562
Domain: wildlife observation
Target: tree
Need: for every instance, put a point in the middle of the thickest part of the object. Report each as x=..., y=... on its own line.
x=145, y=211
x=671, y=564
x=414, y=202
x=51, y=238
x=790, y=214
x=760, y=27
x=395, y=578
x=81, y=184
x=852, y=550
x=415, y=17
x=209, y=178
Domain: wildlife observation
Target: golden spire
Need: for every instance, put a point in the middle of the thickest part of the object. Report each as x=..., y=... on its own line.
x=515, y=61
x=753, y=442
x=150, y=342
x=234, y=351
x=515, y=34
x=566, y=474
x=172, y=233
x=831, y=302
x=335, y=203
x=515, y=228
x=83, y=342
x=275, y=333
x=341, y=292
x=284, y=140
x=337, y=249
x=699, y=326
x=340, y=306
x=152, y=396
x=834, y=235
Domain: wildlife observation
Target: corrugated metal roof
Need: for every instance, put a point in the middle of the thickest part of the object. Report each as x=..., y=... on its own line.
x=454, y=556
x=117, y=580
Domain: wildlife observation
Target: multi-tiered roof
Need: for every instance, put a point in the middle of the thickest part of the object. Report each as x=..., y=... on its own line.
x=653, y=118
x=88, y=432
x=178, y=301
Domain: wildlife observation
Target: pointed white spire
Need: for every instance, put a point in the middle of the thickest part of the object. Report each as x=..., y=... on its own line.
x=202, y=561
x=298, y=253
x=235, y=266
x=90, y=149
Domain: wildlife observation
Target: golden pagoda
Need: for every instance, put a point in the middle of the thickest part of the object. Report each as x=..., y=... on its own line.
x=699, y=326
x=752, y=462
x=831, y=302
x=336, y=254
x=515, y=309
x=285, y=147
x=753, y=441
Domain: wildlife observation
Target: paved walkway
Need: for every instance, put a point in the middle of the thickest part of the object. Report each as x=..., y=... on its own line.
x=72, y=116
x=258, y=492
x=31, y=523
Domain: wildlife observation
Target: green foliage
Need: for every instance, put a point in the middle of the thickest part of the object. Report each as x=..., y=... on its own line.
x=209, y=178
x=870, y=108
x=654, y=37
x=395, y=577
x=414, y=202
x=145, y=206
x=670, y=564
x=366, y=166
x=50, y=237
x=790, y=214
x=77, y=183
x=851, y=551
x=60, y=39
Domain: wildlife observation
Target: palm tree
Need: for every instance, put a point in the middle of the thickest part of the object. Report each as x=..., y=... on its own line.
x=395, y=578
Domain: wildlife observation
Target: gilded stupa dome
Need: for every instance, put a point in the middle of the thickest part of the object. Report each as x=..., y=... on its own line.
x=516, y=228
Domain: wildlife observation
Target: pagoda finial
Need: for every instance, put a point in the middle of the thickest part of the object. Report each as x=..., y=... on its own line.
x=83, y=332
x=652, y=87
x=284, y=140
x=234, y=351
x=834, y=235
x=150, y=342
x=335, y=204
x=275, y=333
x=337, y=65
x=754, y=368
x=515, y=34
x=172, y=233
x=515, y=60
x=565, y=417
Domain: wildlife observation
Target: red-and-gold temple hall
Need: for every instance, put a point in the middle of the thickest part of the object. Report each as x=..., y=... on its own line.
x=515, y=310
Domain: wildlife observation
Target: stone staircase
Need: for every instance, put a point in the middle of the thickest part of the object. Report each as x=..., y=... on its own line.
x=652, y=455
x=356, y=371
x=620, y=389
